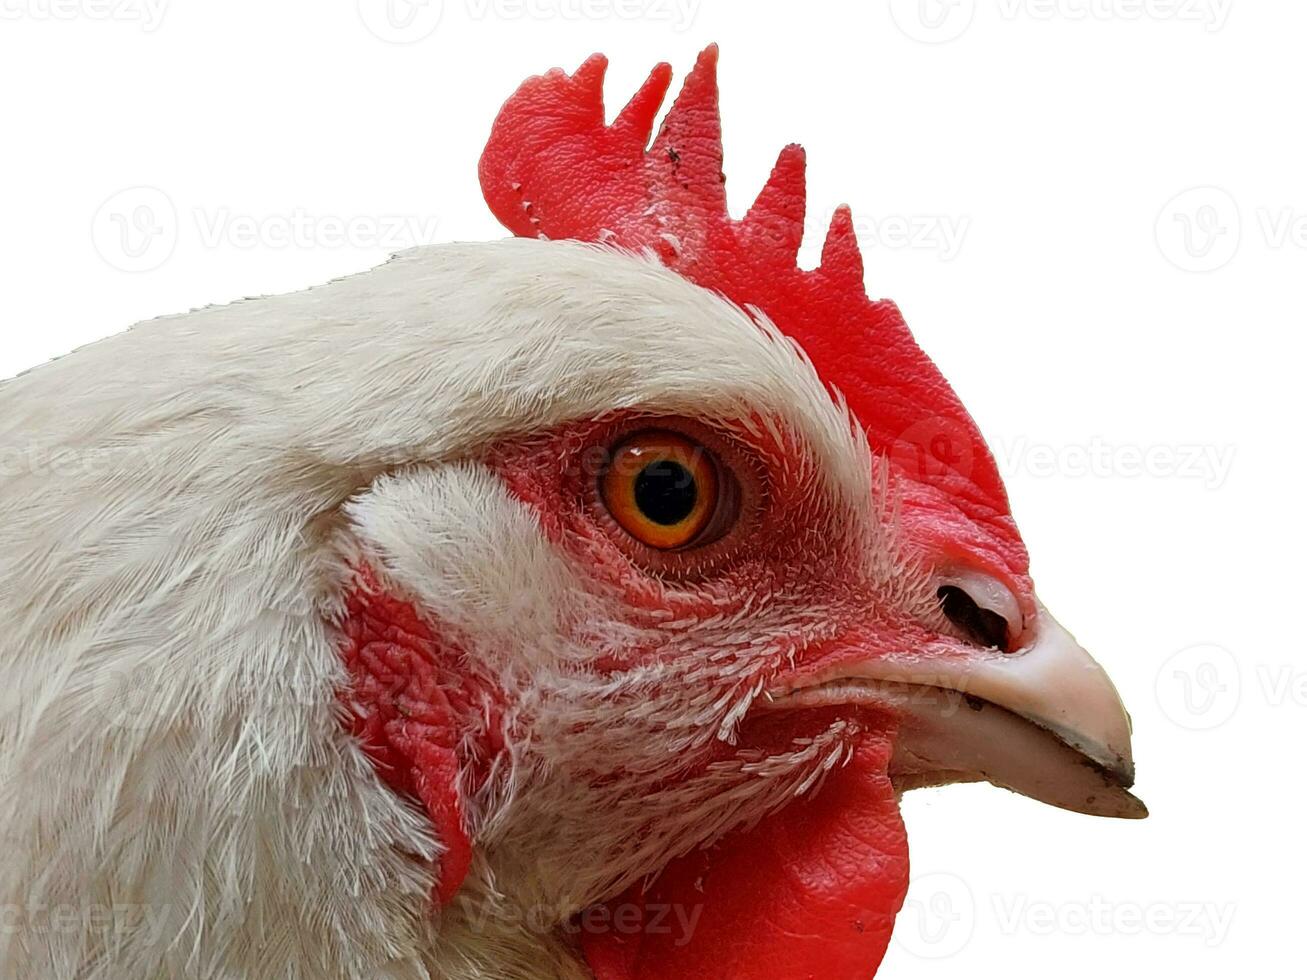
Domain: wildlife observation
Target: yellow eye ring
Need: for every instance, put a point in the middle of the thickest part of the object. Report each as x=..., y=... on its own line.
x=661, y=488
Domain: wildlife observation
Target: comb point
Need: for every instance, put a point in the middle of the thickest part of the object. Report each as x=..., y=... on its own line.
x=841, y=260
x=589, y=76
x=635, y=121
x=776, y=217
x=688, y=149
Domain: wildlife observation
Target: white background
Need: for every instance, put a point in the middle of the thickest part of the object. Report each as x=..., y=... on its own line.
x=1107, y=218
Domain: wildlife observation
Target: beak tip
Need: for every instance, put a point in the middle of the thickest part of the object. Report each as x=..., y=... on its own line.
x=1135, y=808
x=1123, y=804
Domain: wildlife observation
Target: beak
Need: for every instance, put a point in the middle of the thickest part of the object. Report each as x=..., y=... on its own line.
x=1044, y=721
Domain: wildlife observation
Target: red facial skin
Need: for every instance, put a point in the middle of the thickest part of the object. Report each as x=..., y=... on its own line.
x=418, y=704
x=778, y=548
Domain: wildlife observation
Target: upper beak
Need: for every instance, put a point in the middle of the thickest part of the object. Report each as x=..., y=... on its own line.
x=1044, y=721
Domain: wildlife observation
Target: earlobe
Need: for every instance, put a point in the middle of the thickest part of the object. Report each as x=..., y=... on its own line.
x=407, y=702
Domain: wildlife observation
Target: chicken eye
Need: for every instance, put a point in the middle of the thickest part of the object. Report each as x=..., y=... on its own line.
x=664, y=490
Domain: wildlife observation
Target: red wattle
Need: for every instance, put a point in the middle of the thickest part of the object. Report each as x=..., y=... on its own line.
x=810, y=892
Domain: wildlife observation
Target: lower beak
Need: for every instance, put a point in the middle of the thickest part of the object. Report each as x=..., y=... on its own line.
x=1044, y=721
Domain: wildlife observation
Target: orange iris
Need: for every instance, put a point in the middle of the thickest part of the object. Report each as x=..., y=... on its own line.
x=661, y=488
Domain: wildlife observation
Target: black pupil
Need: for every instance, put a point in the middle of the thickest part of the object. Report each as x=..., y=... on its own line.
x=665, y=492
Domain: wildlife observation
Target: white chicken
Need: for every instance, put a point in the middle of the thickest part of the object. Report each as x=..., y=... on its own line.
x=531, y=609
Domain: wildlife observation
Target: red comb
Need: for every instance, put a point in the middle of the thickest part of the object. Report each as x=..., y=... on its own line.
x=553, y=169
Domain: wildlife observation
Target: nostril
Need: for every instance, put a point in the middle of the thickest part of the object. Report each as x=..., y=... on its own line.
x=981, y=626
